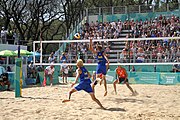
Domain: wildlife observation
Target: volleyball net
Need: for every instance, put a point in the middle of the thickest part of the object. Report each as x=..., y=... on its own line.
x=153, y=55
x=131, y=51
x=146, y=54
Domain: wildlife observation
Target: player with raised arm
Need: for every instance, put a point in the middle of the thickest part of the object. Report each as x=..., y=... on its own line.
x=102, y=61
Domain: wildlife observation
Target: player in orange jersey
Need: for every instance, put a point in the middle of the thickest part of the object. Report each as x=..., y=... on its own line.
x=122, y=76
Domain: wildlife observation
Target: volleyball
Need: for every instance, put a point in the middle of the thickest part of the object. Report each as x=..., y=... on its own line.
x=77, y=36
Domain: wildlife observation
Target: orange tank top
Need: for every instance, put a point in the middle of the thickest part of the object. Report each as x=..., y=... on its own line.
x=121, y=73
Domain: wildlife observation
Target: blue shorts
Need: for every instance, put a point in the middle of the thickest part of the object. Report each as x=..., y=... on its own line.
x=84, y=86
x=101, y=69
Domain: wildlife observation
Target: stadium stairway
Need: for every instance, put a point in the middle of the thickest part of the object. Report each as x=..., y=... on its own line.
x=117, y=47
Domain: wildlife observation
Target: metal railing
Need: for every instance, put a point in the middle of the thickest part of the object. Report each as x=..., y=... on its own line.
x=119, y=58
x=84, y=16
x=132, y=9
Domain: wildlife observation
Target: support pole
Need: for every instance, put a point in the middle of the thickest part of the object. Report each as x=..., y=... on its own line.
x=18, y=77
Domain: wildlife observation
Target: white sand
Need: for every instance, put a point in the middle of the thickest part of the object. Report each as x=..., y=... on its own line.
x=154, y=102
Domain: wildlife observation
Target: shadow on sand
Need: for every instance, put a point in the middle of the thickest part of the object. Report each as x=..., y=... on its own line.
x=116, y=109
x=122, y=100
x=43, y=98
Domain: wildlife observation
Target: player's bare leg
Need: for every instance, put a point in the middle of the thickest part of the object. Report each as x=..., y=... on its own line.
x=69, y=95
x=114, y=85
x=105, y=84
x=130, y=88
x=96, y=100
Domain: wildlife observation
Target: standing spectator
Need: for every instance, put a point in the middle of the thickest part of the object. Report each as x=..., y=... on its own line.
x=38, y=52
x=48, y=72
x=3, y=36
x=70, y=71
x=10, y=39
x=64, y=70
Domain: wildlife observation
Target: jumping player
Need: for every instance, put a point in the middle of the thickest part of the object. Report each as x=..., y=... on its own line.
x=84, y=84
x=122, y=76
x=101, y=67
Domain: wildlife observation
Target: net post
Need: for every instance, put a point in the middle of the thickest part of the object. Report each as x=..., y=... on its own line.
x=18, y=77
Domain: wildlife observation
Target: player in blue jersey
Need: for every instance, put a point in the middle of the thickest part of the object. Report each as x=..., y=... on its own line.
x=101, y=68
x=84, y=84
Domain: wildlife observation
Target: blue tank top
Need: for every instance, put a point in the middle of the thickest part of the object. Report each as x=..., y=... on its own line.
x=84, y=75
x=63, y=57
x=100, y=58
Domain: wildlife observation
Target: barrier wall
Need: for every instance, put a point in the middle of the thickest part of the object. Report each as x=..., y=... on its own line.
x=11, y=77
x=143, y=78
x=159, y=78
x=139, y=68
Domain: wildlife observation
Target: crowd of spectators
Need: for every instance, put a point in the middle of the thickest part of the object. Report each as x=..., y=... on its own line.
x=155, y=50
x=139, y=51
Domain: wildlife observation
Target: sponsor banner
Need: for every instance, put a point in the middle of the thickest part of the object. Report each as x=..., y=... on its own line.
x=169, y=78
x=143, y=77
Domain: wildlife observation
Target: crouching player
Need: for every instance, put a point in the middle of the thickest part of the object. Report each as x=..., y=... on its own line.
x=84, y=84
x=122, y=76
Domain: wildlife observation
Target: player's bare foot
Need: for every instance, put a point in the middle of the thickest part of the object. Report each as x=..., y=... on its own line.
x=65, y=101
x=114, y=92
x=103, y=108
x=134, y=93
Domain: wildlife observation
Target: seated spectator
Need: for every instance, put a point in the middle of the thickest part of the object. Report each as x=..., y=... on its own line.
x=51, y=58
x=178, y=52
x=4, y=78
x=140, y=55
x=107, y=51
x=176, y=67
x=31, y=70
x=90, y=59
x=63, y=57
x=133, y=69
x=162, y=26
x=9, y=69
x=123, y=55
x=159, y=53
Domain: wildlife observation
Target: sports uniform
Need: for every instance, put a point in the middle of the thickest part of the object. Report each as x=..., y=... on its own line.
x=122, y=76
x=101, y=67
x=85, y=81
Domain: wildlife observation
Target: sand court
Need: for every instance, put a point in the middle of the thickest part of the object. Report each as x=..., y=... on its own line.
x=154, y=102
